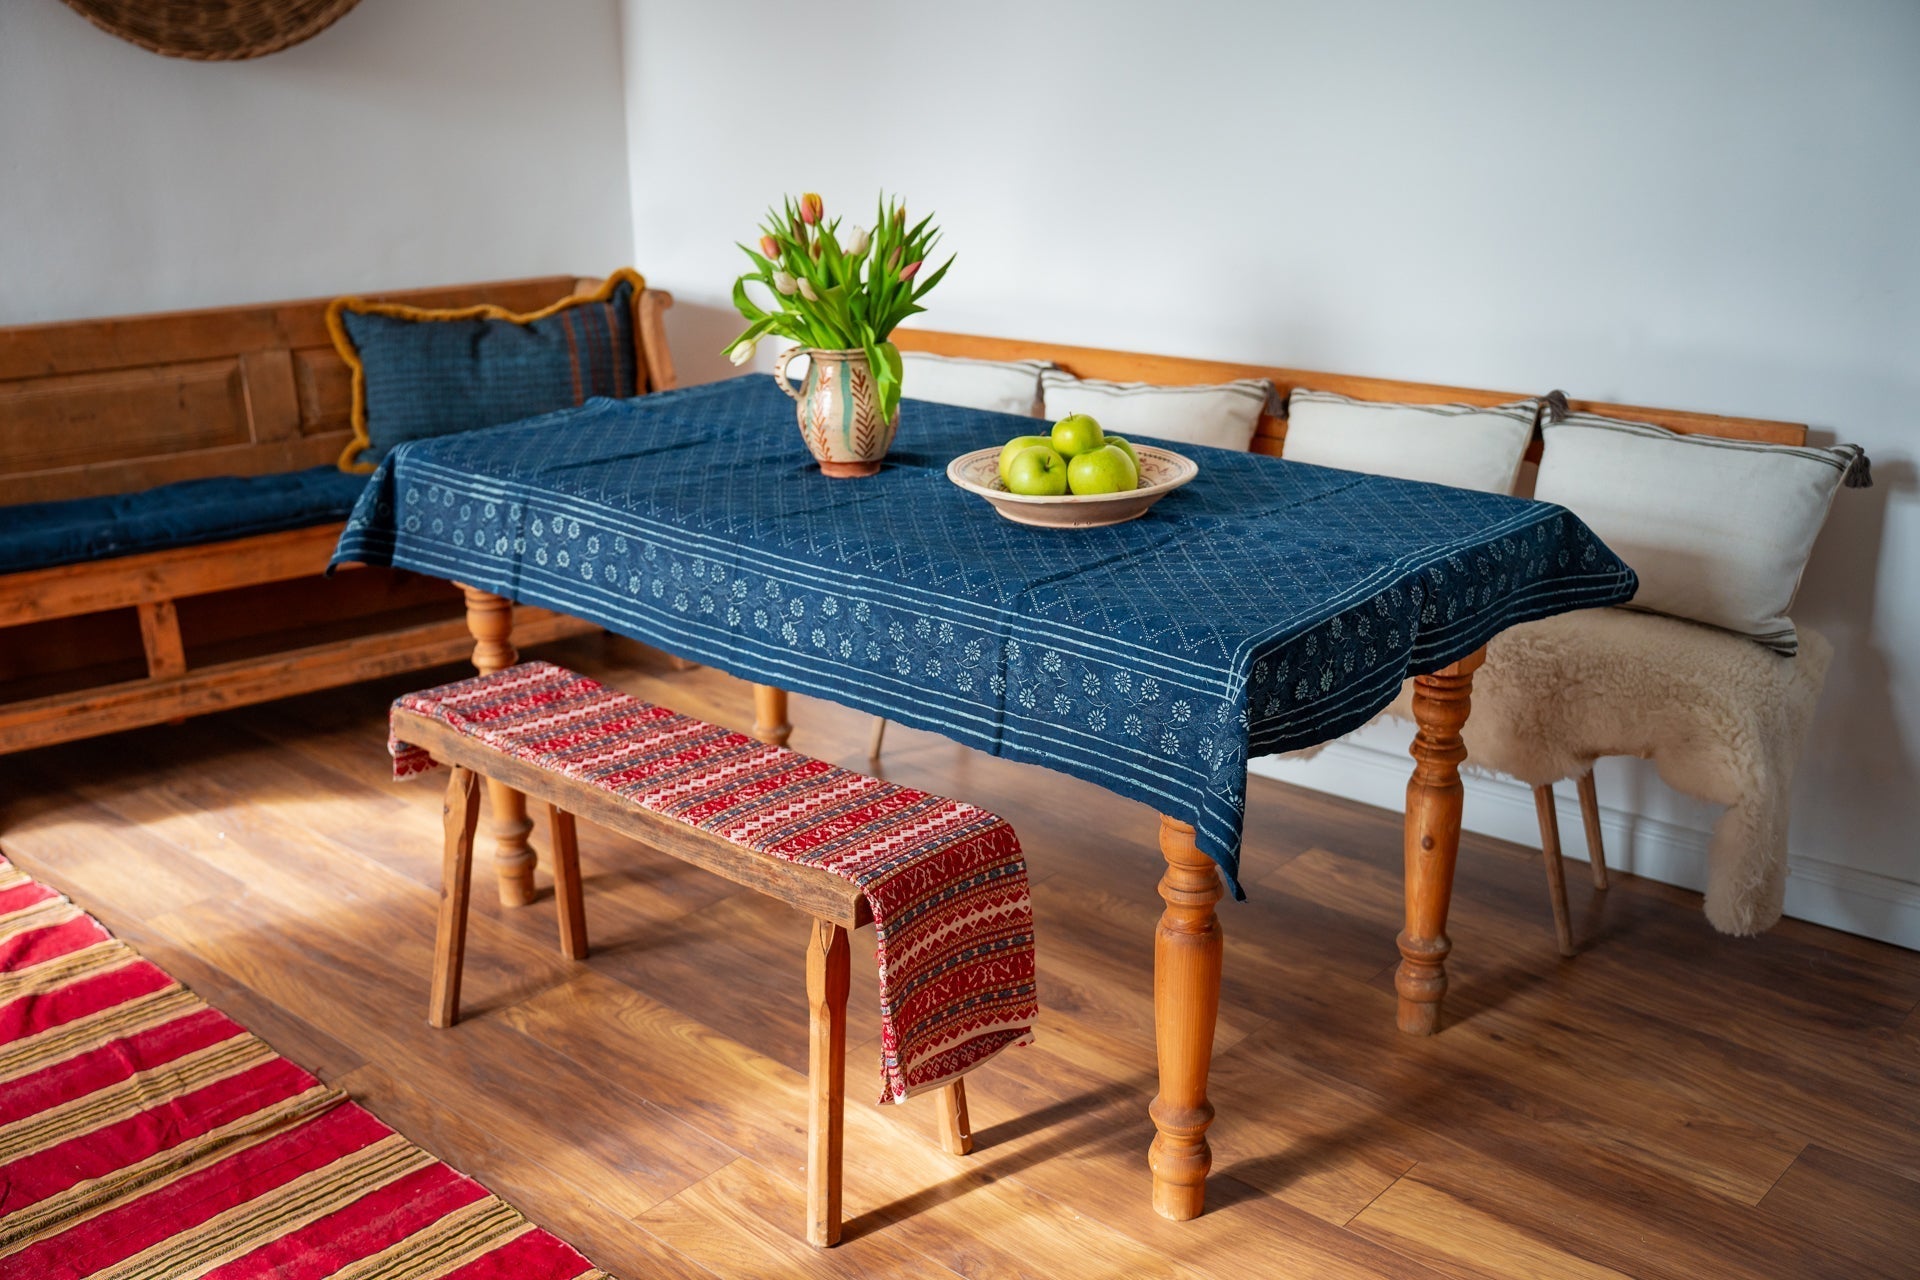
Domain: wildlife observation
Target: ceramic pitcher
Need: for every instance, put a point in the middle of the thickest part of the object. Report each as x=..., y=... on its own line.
x=839, y=411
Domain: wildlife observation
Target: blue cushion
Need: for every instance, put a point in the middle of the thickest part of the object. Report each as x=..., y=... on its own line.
x=39, y=535
x=431, y=373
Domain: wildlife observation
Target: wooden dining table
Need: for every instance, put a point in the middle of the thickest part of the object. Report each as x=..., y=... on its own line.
x=1266, y=606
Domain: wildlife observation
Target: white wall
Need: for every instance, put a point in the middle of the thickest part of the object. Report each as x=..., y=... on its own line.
x=415, y=142
x=1708, y=204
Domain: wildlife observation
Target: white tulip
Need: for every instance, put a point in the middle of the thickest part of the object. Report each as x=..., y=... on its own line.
x=857, y=243
x=742, y=352
x=783, y=283
x=806, y=290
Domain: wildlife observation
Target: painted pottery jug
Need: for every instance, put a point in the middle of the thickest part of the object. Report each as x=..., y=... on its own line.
x=839, y=411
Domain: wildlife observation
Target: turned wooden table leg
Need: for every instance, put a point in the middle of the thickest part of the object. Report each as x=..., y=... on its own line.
x=1440, y=705
x=490, y=619
x=1186, y=1001
x=770, y=715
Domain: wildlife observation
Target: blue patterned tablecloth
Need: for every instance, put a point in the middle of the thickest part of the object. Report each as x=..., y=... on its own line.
x=1266, y=606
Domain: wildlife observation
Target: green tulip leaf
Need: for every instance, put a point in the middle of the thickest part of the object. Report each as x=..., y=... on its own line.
x=744, y=304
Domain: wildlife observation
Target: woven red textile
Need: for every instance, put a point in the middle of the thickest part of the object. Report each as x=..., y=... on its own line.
x=952, y=919
x=144, y=1133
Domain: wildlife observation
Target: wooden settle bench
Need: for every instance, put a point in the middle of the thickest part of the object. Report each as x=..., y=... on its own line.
x=126, y=403
x=833, y=904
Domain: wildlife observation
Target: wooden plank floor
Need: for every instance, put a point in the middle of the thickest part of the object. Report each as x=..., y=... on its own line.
x=1669, y=1104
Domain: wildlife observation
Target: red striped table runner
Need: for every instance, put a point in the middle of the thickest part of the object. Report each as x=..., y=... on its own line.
x=952, y=917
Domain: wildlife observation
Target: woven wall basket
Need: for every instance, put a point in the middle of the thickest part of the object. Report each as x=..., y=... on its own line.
x=213, y=30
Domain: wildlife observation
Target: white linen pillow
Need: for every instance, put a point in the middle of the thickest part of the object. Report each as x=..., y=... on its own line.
x=1223, y=415
x=1719, y=530
x=1002, y=386
x=1466, y=446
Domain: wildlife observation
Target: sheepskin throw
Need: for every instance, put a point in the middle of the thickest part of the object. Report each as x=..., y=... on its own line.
x=1722, y=718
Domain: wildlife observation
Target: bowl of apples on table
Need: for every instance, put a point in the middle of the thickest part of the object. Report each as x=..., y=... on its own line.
x=1075, y=477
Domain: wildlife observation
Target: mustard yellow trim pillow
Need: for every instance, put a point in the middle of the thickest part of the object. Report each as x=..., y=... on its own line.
x=419, y=372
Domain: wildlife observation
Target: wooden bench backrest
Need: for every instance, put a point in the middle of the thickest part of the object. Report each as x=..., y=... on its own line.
x=1127, y=366
x=122, y=403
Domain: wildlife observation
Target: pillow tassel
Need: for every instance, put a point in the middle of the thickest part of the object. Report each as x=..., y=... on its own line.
x=1859, y=471
x=1553, y=408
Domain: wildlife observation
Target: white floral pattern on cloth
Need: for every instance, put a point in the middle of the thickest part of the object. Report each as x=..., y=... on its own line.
x=1267, y=606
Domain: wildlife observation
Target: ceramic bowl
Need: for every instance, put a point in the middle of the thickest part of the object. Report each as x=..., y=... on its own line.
x=1161, y=472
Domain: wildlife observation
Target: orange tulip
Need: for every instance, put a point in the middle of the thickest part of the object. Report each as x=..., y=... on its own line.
x=812, y=208
x=770, y=248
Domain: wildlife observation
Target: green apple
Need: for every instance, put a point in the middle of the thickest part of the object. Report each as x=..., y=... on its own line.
x=1077, y=434
x=1037, y=472
x=1120, y=443
x=1014, y=446
x=1107, y=469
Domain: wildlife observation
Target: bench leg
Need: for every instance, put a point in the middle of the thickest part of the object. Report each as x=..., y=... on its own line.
x=460, y=817
x=827, y=981
x=1590, y=815
x=1556, y=869
x=566, y=885
x=956, y=1131
x=490, y=620
x=878, y=739
x=770, y=715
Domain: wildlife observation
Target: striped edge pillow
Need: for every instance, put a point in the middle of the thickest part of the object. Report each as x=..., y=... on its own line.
x=1463, y=445
x=1719, y=530
x=1221, y=415
x=998, y=386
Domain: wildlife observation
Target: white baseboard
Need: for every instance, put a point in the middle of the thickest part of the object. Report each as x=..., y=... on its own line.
x=1845, y=898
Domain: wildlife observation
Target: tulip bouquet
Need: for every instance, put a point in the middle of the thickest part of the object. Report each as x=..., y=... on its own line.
x=831, y=294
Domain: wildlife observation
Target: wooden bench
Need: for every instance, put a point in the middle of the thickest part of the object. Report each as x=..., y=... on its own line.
x=833, y=904
x=126, y=403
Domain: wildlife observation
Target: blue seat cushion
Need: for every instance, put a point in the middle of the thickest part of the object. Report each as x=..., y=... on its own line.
x=39, y=535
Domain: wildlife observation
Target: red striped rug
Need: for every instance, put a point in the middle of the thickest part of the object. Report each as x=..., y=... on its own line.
x=145, y=1134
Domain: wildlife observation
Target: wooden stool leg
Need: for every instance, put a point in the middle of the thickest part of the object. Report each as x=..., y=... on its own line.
x=878, y=739
x=827, y=981
x=1432, y=840
x=1590, y=815
x=460, y=816
x=566, y=885
x=490, y=621
x=770, y=715
x=1556, y=870
x=1187, y=948
x=956, y=1131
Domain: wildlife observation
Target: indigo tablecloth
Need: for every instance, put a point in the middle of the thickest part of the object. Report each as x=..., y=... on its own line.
x=1266, y=606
